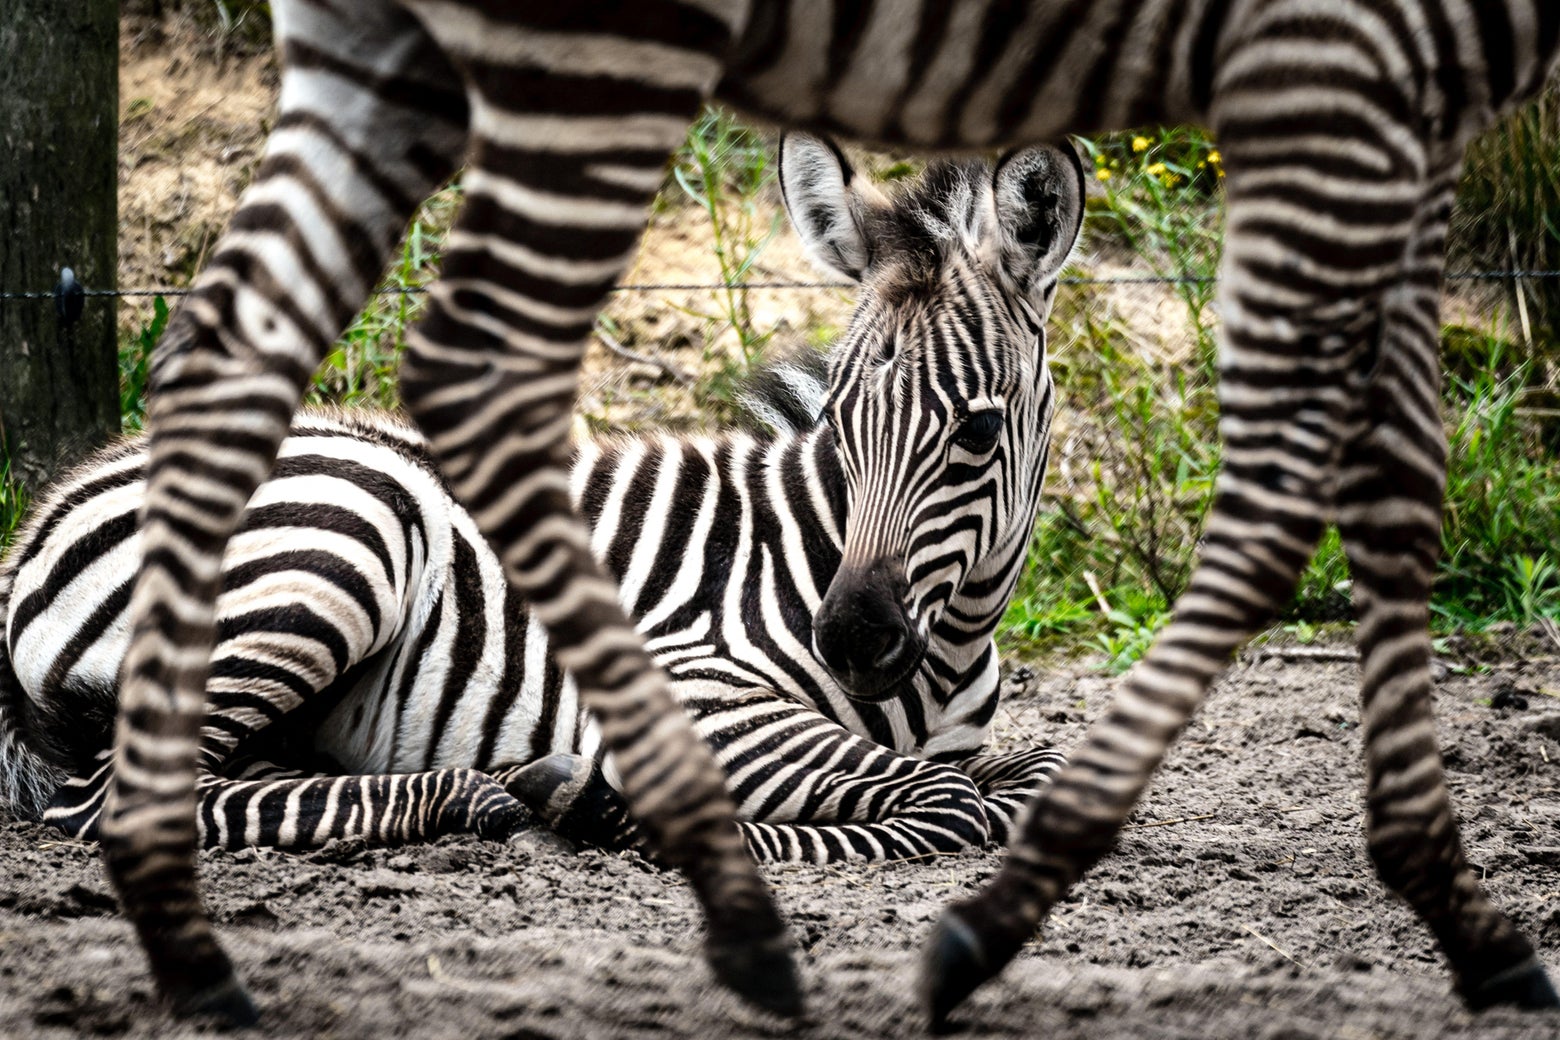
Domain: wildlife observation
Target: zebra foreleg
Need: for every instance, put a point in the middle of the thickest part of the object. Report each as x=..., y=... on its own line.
x=261, y=804
x=555, y=202
x=1009, y=783
x=1392, y=479
x=371, y=121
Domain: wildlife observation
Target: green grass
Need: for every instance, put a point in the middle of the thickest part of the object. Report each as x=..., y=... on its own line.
x=13, y=502
x=1508, y=210
x=1502, y=516
x=1118, y=539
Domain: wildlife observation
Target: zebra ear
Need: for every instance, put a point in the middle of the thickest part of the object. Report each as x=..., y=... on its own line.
x=828, y=204
x=1039, y=201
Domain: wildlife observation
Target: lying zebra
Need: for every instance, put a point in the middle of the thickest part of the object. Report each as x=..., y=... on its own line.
x=823, y=599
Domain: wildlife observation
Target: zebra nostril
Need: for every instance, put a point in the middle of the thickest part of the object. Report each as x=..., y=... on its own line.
x=891, y=646
x=832, y=641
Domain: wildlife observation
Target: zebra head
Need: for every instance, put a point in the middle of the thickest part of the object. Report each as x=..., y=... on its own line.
x=939, y=395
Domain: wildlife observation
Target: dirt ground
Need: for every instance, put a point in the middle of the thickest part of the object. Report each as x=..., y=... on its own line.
x=1240, y=903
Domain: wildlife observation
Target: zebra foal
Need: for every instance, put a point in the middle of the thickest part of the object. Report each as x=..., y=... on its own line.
x=823, y=600
x=1342, y=124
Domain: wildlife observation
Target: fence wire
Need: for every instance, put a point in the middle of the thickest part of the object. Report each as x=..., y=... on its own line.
x=1133, y=450
x=648, y=287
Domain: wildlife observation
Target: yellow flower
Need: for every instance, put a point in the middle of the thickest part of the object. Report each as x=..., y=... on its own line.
x=1140, y=144
x=1157, y=170
x=1214, y=157
x=1103, y=173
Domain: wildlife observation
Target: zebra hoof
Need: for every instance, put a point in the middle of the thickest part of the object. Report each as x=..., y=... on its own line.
x=761, y=973
x=955, y=965
x=1524, y=986
x=550, y=786
x=226, y=1003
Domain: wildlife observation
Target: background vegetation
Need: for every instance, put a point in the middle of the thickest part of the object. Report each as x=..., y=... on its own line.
x=1136, y=448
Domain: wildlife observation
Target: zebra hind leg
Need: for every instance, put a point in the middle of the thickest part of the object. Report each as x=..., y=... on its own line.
x=1412, y=834
x=1286, y=387
x=371, y=121
x=1391, y=482
x=555, y=202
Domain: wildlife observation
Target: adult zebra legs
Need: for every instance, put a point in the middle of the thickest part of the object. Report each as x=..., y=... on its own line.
x=226, y=379
x=373, y=118
x=1400, y=456
x=553, y=211
x=1329, y=410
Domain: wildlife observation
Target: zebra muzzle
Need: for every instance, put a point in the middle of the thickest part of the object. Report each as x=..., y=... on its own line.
x=863, y=634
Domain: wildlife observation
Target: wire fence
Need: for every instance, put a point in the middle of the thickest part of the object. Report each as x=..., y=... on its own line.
x=781, y=285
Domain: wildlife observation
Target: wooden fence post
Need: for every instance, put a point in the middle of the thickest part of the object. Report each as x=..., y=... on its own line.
x=59, y=121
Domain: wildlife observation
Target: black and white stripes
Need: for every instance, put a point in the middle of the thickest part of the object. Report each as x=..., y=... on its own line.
x=1342, y=124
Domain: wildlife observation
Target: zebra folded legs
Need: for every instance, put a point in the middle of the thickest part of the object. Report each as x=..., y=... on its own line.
x=554, y=208
x=371, y=121
x=1307, y=319
x=845, y=798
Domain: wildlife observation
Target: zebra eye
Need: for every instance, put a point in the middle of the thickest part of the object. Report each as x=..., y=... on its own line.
x=978, y=434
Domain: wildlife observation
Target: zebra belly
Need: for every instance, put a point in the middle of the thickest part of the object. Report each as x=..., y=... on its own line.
x=966, y=75
x=463, y=687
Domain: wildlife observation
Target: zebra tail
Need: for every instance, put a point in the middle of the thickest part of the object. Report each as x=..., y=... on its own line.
x=786, y=395
x=27, y=780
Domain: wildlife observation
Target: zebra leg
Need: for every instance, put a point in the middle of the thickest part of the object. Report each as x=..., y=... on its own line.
x=572, y=795
x=566, y=159
x=262, y=804
x=1009, y=782
x=371, y=121
x=1392, y=478
x=1302, y=300
x=807, y=790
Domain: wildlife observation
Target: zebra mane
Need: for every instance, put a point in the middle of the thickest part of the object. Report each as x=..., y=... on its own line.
x=786, y=395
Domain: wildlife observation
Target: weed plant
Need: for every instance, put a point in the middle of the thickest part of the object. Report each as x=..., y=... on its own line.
x=1134, y=475
x=1501, y=536
x=13, y=502
x=725, y=169
x=1508, y=211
